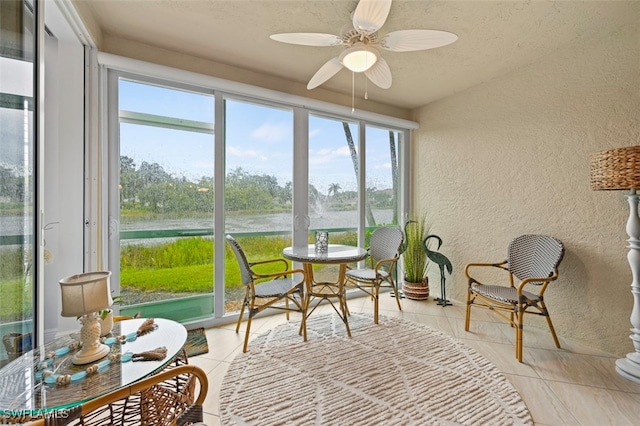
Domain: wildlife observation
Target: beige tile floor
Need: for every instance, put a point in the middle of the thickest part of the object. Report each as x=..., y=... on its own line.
x=574, y=385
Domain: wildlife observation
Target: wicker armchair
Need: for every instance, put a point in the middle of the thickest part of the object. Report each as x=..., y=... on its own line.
x=165, y=399
x=268, y=290
x=533, y=260
x=384, y=251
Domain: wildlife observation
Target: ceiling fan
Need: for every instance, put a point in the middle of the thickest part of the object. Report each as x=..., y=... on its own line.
x=361, y=43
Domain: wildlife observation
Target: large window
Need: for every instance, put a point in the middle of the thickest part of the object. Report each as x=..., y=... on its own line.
x=257, y=187
x=42, y=160
x=280, y=171
x=333, y=175
x=166, y=191
x=382, y=176
x=17, y=177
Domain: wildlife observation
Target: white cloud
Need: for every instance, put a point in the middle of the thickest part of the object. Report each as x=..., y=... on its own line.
x=236, y=152
x=343, y=151
x=270, y=132
x=313, y=133
x=327, y=155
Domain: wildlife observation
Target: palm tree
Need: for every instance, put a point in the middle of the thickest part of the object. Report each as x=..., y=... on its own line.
x=394, y=175
x=354, y=158
x=314, y=195
x=334, y=189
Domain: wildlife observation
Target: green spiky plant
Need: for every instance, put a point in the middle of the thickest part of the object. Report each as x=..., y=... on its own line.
x=117, y=300
x=414, y=258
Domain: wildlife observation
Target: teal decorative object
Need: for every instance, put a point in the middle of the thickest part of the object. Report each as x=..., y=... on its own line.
x=443, y=262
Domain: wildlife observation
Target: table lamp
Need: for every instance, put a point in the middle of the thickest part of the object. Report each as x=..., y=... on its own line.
x=83, y=295
x=617, y=169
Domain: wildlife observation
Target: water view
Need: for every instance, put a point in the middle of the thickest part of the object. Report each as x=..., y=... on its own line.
x=258, y=222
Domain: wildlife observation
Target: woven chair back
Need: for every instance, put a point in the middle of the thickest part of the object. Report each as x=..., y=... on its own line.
x=532, y=256
x=245, y=268
x=386, y=243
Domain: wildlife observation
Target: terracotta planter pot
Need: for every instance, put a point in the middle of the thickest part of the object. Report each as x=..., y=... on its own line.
x=416, y=291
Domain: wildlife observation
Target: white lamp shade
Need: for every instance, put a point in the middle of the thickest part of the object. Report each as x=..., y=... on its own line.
x=86, y=293
x=359, y=58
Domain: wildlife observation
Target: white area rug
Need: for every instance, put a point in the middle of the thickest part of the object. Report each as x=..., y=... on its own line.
x=394, y=373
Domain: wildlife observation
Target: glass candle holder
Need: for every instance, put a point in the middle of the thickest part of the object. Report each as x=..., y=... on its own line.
x=322, y=241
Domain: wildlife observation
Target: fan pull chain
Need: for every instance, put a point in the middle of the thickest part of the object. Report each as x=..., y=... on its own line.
x=353, y=92
x=366, y=88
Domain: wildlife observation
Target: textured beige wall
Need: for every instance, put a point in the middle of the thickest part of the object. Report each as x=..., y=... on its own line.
x=512, y=156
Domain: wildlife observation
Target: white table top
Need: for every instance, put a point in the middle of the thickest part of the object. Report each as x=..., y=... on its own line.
x=336, y=254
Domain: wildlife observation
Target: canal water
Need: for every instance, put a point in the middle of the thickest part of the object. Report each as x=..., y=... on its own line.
x=239, y=223
x=260, y=222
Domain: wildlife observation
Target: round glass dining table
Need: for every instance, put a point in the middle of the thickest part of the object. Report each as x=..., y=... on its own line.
x=24, y=394
x=318, y=291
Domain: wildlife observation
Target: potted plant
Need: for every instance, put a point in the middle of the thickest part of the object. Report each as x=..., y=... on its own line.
x=414, y=259
x=105, y=317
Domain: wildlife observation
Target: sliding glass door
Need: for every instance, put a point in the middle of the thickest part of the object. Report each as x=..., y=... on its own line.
x=333, y=183
x=383, y=176
x=166, y=191
x=18, y=252
x=257, y=187
x=267, y=173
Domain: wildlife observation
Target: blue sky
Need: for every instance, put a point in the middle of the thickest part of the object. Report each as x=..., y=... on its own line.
x=259, y=139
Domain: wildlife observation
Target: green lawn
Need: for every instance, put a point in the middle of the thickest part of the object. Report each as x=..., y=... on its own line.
x=16, y=301
x=180, y=279
x=182, y=266
x=186, y=265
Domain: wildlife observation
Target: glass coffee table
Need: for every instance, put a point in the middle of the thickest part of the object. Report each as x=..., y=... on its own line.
x=25, y=394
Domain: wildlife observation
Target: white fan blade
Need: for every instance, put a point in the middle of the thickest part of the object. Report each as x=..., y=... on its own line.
x=370, y=15
x=409, y=40
x=308, y=39
x=380, y=74
x=325, y=72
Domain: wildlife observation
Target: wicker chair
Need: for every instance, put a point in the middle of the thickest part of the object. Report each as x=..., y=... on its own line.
x=532, y=260
x=268, y=289
x=165, y=399
x=384, y=251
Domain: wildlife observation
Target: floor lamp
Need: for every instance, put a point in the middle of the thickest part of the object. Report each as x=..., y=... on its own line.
x=617, y=169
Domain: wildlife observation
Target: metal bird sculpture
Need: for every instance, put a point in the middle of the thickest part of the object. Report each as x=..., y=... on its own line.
x=443, y=263
x=402, y=250
x=404, y=243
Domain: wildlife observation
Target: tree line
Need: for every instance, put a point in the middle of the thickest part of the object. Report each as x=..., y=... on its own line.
x=148, y=187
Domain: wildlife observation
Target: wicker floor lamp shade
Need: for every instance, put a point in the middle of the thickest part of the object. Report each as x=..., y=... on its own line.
x=617, y=169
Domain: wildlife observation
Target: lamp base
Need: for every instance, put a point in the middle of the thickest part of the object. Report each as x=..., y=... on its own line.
x=86, y=357
x=92, y=350
x=629, y=368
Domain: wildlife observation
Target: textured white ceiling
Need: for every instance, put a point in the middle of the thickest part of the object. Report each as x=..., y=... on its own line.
x=495, y=37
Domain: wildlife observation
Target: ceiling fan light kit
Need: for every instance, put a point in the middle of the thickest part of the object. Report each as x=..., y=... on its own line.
x=361, y=55
x=359, y=58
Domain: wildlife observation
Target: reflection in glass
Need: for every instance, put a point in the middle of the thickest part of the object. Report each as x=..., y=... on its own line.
x=16, y=179
x=258, y=187
x=382, y=175
x=333, y=183
x=166, y=200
